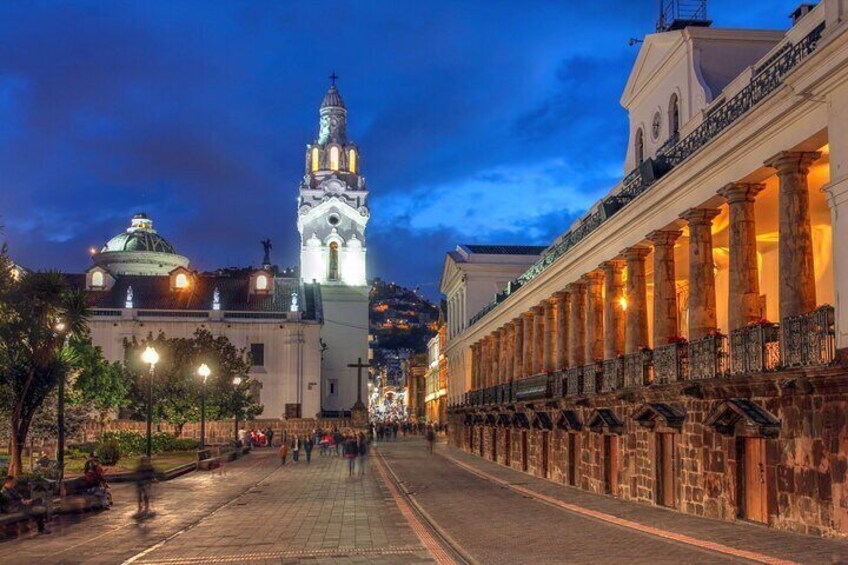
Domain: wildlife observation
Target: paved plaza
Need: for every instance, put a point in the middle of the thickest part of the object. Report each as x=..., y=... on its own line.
x=409, y=507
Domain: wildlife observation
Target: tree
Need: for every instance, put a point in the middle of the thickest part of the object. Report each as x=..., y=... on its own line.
x=99, y=385
x=176, y=385
x=34, y=355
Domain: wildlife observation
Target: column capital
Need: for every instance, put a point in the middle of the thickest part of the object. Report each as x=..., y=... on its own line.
x=637, y=252
x=793, y=161
x=699, y=215
x=595, y=276
x=577, y=287
x=528, y=315
x=516, y=321
x=736, y=192
x=612, y=265
x=664, y=237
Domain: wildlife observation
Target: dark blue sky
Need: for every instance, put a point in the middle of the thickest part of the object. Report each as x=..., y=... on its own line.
x=479, y=121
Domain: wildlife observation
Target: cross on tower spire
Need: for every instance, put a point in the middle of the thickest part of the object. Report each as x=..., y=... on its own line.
x=333, y=77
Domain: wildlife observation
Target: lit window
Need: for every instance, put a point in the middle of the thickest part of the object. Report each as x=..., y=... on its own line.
x=334, y=158
x=315, y=157
x=181, y=281
x=333, y=274
x=97, y=279
x=351, y=161
x=262, y=282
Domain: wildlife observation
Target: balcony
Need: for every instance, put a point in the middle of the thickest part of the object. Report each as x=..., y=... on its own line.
x=574, y=381
x=534, y=388
x=613, y=374
x=593, y=378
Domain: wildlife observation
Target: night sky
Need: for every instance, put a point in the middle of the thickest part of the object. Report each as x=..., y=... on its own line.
x=479, y=122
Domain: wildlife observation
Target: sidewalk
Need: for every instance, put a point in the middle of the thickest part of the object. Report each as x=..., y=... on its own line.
x=741, y=536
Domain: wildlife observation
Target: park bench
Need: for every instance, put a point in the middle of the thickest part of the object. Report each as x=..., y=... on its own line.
x=75, y=498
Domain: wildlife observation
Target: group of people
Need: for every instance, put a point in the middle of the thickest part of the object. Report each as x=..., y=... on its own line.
x=353, y=447
x=256, y=437
x=388, y=430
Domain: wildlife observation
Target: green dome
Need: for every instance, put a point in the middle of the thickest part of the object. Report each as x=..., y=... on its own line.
x=139, y=237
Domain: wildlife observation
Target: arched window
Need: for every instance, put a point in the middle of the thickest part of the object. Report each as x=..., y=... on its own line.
x=639, y=146
x=334, y=158
x=181, y=281
x=262, y=282
x=351, y=160
x=673, y=117
x=315, y=159
x=333, y=273
x=97, y=279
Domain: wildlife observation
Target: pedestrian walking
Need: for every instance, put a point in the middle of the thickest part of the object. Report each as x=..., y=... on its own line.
x=307, y=446
x=284, y=451
x=295, y=448
x=144, y=475
x=350, y=452
x=269, y=437
x=362, y=451
x=431, y=438
x=338, y=440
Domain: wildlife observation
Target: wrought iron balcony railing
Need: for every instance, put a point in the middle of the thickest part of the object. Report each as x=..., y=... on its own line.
x=613, y=374
x=671, y=362
x=574, y=381
x=534, y=388
x=637, y=368
x=755, y=348
x=809, y=339
x=593, y=378
x=708, y=357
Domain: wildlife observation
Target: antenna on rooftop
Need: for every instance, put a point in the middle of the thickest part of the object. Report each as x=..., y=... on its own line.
x=679, y=14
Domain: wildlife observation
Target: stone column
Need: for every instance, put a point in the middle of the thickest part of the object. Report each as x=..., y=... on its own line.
x=743, y=294
x=636, y=322
x=550, y=336
x=665, y=286
x=562, y=316
x=538, y=338
x=518, y=348
x=594, y=316
x=702, y=293
x=474, y=366
x=577, y=325
x=613, y=311
x=493, y=339
x=502, y=366
x=527, y=322
x=797, y=285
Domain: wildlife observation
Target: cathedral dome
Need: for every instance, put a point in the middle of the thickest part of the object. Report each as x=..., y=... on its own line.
x=332, y=99
x=140, y=250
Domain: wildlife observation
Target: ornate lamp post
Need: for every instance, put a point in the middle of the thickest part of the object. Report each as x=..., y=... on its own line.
x=236, y=384
x=204, y=373
x=60, y=328
x=151, y=357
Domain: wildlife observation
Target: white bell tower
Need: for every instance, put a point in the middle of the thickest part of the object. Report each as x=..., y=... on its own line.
x=331, y=217
x=332, y=209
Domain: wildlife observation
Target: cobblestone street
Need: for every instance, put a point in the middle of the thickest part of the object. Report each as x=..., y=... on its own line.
x=409, y=507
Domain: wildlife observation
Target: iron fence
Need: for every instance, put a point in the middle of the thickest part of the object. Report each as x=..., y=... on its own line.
x=809, y=339
x=708, y=357
x=671, y=362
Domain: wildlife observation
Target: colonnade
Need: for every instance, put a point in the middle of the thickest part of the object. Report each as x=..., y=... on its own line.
x=603, y=315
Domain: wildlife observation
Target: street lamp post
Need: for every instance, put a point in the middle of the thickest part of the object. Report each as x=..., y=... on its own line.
x=204, y=373
x=151, y=357
x=237, y=407
x=60, y=408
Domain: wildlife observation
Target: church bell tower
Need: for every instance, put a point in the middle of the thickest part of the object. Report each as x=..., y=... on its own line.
x=332, y=213
x=332, y=208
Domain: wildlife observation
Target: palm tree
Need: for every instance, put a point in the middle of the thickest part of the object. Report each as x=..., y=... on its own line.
x=36, y=357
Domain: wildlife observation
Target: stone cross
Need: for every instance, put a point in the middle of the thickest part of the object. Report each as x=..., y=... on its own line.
x=359, y=366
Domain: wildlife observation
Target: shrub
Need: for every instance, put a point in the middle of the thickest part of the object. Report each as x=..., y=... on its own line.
x=110, y=452
x=132, y=443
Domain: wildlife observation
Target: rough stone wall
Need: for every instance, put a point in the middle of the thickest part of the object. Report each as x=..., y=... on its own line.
x=805, y=465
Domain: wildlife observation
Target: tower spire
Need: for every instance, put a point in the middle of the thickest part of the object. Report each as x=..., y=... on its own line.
x=333, y=78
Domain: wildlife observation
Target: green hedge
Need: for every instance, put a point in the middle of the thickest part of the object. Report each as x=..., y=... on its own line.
x=133, y=443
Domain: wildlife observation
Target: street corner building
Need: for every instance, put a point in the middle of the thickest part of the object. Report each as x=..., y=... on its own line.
x=684, y=343
x=302, y=331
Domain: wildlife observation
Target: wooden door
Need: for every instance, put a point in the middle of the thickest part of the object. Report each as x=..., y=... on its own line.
x=494, y=444
x=507, y=447
x=524, y=450
x=572, y=459
x=754, y=468
x=665, y=478
x=611, y=465
x=545, y=453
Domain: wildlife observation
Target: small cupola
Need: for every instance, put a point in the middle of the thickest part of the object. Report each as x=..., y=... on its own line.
x=181, y=279
x=261, y=282
x=98, y=278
